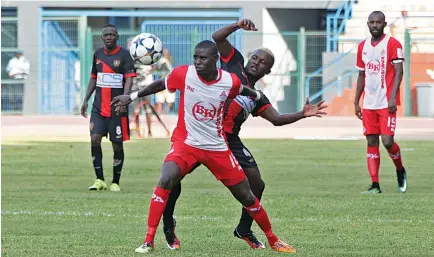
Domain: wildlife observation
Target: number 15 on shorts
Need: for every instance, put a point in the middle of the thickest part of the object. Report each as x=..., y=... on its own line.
x=391, y=123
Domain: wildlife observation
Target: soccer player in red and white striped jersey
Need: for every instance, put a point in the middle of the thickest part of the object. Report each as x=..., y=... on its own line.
x=199, y=137
x=379, y=61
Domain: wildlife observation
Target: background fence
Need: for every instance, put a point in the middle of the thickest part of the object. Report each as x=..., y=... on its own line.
x=301, y=68
x=12, y=91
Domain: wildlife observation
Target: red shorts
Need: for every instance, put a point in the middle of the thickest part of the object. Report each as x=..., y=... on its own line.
x=378, y=122
x=222, y=164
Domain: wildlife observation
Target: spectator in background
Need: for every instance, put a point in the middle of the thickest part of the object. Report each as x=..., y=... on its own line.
x=144, y=78
x=18, y=67
x=164, y=67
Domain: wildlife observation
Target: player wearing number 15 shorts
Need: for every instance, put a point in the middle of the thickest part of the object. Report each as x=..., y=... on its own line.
x=379, y=61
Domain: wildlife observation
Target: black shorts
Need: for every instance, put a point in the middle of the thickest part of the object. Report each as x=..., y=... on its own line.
x=117, y=126
x=241, y=153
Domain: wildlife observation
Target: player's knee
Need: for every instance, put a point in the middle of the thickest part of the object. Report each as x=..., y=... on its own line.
x=373, y=140
x=165, y=182
x=170, y=176
x=95, y=140
x=261, y=185
x=257, y=187
x=387, y=142
x=117, y=147
x=249, y=199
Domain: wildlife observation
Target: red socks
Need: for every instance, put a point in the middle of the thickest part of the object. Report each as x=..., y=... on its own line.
x=260, y=216
x=373, y=158
x=395, y=154
x=156, y=209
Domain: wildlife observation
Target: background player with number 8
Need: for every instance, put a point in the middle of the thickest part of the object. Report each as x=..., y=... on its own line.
x=111, y=75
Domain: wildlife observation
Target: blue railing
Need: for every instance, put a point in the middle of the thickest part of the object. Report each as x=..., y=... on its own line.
x=57, y=87
x=333, y=28
x=335, y=83
x=320, y=70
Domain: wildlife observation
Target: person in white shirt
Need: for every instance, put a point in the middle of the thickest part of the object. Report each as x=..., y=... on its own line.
x=164, y=67
x=18, y=67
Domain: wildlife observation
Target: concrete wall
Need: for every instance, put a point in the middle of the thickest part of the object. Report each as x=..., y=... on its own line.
x=331, y=73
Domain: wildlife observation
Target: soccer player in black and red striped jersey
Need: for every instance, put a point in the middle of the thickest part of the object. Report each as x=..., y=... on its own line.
x=112, y=73
x=237, y=111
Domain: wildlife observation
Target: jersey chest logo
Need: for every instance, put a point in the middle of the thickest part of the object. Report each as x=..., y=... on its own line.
x=203, y=111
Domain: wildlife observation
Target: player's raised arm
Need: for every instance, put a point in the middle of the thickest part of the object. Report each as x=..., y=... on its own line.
x=220, y=36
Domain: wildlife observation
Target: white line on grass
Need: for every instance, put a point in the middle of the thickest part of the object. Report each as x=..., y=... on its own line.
x=304, y=219
x=93, y=214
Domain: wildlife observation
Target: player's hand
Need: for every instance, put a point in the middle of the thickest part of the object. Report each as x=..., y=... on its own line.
x=310, y=110
x=358, y=111
x=120, y=109
x=391, y=105
x=247, y=24
x=84, y=109
x=121, y=100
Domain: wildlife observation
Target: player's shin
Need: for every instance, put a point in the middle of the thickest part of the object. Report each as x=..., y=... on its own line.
x=170, y=207
x=260, y=216
x=156, y=209
x=118, y=163
x=373, y=160
x=97, y=161
x=395, y=154
x=246, y=219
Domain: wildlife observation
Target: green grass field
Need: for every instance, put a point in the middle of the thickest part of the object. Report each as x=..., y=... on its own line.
x=312, y=195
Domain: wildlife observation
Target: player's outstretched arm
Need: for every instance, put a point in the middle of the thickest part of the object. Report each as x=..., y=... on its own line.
x=359, y=91
x=90, y=89
x=309, y=110
x=220, y=36
x=154, y=87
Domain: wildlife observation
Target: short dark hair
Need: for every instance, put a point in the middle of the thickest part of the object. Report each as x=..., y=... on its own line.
x=208, y=44
x=378, y=13
x=109, y=26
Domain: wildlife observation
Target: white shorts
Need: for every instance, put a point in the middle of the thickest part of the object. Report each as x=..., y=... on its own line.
x=165, y=96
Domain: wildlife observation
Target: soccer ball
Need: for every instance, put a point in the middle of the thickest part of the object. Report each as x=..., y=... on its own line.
x=146, y=48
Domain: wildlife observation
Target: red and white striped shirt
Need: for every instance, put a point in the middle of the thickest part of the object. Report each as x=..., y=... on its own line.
x=201, y=106
x=377, y=61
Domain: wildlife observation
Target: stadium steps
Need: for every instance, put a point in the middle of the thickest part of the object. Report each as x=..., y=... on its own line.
x=356, y=28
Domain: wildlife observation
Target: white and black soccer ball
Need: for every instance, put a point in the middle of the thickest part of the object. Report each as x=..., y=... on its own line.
x=146, y=48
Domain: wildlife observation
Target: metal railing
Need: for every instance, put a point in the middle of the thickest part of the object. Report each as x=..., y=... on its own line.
x=333, y=28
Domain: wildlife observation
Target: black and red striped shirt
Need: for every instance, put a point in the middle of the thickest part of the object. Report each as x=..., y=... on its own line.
x=239, y=109
x=110, y=69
